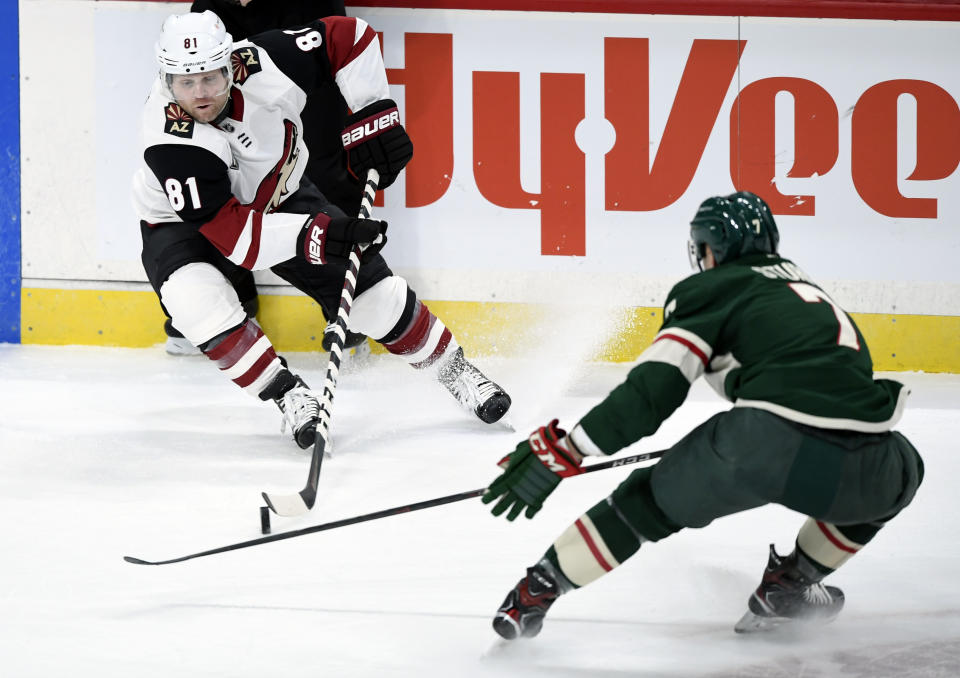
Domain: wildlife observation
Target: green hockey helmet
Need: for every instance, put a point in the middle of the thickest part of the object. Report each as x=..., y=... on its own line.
x=733, y=226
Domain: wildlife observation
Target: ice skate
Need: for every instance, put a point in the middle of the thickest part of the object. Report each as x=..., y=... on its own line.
x=352, y=339
x=180, y=346
x=177, y=344
x=356, y=348
x=526, y=605
x=472, y=389
x=297, y=403
x=789, y=592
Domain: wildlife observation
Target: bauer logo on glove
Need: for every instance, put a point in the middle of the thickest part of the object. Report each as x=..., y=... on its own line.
x=373, y=138
x=325, y=239
x=370, y=127
x=315, y=247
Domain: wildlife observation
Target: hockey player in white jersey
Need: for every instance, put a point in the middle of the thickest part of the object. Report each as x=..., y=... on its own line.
x=222, y=188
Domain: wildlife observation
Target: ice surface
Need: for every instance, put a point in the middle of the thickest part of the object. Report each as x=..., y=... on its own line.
x=113, y=452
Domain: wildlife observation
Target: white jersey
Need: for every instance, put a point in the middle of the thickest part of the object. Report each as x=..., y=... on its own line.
x=229, y=177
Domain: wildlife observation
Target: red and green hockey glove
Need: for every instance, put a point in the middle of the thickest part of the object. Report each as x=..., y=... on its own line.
x=533, y=471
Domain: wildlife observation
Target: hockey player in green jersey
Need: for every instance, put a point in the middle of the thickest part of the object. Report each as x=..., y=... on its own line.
x=810, y=429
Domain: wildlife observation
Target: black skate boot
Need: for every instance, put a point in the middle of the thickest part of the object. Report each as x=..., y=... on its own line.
x=355, y=350
x=790, y=591
x=177, y=344
x=526, y=605
x=472, y=389
x=352, y=339
x=300, y=409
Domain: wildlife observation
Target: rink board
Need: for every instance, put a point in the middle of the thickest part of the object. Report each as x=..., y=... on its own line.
x=528, y=194
x=897, y=342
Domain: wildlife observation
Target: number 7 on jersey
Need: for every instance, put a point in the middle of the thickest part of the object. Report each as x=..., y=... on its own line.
x=847, y=335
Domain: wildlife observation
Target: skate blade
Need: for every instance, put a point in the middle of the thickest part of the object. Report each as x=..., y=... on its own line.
x=753, y=623
x=176, y=346
x=357, y=358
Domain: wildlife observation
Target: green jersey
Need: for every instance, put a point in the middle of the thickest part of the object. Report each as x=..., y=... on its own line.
x=763, y=335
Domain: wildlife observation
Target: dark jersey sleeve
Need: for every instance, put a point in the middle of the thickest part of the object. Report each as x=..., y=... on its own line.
x=317, y=51
x=660, y=382
x=636, y=408
x=198, y=188
x=195, y=180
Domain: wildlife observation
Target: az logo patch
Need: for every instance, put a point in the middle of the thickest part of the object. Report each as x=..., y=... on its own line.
x=245, y=62
x=179, y=123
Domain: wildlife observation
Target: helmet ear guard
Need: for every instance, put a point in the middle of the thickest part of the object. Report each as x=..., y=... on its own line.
x=733, y=226
x=696, y=251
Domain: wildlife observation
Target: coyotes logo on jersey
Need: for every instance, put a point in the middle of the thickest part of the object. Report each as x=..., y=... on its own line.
x=179, y=122
x=245, y=62
x=274, y=185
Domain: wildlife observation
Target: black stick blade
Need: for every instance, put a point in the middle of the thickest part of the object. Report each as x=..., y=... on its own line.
x=137, y=561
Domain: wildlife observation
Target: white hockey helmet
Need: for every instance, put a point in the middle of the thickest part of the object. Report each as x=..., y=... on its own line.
x=193, y=43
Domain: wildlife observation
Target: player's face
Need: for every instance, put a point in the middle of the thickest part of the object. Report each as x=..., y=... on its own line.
x=708, y=259
x=203, y=95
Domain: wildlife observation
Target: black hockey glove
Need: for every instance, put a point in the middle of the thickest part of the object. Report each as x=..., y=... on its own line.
x=325, y=239
x=374, y=139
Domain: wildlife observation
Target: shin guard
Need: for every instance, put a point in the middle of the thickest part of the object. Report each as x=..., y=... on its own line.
x=246, y=356
x=424, y=340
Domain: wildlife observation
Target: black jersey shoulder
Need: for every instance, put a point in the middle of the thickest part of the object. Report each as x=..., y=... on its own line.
x=726, y=280
x=299, y=52
x=717, y=292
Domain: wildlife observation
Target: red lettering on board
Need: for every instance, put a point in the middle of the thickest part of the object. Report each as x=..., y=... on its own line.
x=427, y=77
x=873, y=161
x=496, y=154
x=631, y=183
x=753, y=149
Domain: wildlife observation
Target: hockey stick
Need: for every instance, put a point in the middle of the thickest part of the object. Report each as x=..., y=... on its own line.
x=385, y=513
x=300, y=503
